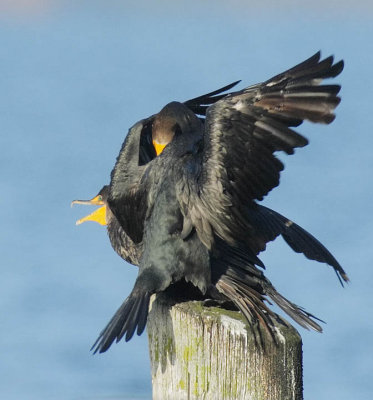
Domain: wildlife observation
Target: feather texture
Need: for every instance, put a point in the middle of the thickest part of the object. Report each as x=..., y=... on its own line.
x=191, y=211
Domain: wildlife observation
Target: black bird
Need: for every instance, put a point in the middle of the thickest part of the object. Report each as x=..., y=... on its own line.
x=227, y=265
x=191, y=204
x=119, y=240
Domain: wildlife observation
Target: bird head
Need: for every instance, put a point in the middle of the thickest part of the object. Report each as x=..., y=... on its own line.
x=174, y=119
x=100, y=215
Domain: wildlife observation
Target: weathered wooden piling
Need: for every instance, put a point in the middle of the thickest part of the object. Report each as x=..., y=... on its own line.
x=209, y=353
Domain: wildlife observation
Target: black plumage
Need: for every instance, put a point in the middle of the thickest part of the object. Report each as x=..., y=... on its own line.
x=120, y=241
x=193, y=208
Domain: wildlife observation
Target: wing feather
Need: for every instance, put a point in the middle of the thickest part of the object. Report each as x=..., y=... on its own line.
x=244, y=130
x=200, y=104
x=128, y=196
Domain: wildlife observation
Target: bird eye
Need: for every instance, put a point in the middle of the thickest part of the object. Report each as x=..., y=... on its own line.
x=100, y=198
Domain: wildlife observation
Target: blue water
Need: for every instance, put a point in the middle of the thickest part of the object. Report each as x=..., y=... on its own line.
x=73, y=79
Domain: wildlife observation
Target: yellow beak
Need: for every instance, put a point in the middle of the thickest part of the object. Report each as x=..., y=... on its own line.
x=98, y=215
x=158, y=147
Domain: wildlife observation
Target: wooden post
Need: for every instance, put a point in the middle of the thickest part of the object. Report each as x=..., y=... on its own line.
x=209, y=353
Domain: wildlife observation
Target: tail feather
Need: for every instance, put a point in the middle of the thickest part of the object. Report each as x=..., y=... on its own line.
x=143, y=316
x=250, y=300
x=131, y=314
x=298, y=314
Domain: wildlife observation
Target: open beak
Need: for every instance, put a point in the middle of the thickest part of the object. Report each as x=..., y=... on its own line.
x=98, y=215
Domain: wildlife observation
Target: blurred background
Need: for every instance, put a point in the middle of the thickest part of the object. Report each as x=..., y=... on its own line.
x=74, y=76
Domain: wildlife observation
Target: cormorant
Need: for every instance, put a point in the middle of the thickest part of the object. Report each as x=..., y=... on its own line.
x=119, y=240
x=191, y=203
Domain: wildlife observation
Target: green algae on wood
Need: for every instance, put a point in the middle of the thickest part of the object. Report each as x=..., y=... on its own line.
x=200, y=352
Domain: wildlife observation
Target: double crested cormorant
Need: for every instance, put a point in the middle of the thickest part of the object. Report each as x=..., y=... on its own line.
x=119, y=240
x=184, y=191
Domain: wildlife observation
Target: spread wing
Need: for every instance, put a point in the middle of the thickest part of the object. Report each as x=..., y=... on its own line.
x=130, y=181
x=243, y=130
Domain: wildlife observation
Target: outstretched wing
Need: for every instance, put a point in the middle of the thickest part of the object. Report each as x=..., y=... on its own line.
x=128, y=187
x=243, y=131
x=254, y=123
x=270, y=224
